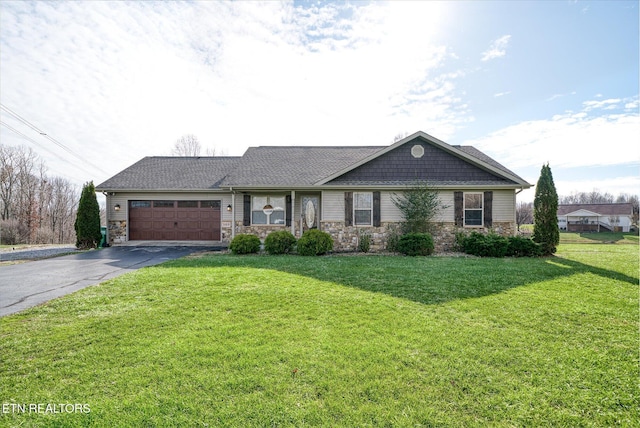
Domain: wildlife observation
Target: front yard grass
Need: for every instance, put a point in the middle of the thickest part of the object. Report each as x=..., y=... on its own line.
x=246, y=341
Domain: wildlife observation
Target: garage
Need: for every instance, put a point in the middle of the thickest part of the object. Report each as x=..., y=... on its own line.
x=167, y=220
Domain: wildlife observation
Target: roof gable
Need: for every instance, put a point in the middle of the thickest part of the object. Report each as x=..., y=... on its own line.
x=582, y=213
x=437, y=163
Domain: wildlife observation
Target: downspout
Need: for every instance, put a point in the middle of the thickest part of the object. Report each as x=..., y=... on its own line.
x=106, y=216
x=515, y=207
x=233, y=213
x=293, y=210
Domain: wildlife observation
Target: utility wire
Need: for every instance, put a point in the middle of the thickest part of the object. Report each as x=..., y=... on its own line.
x=53, y=140
x=31, y=140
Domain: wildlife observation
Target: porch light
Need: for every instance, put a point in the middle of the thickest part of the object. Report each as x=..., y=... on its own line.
x=229, y=208
x=117, y=207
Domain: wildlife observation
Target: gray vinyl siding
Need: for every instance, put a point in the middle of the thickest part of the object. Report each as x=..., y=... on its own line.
x=504, y=205
x=332, y=205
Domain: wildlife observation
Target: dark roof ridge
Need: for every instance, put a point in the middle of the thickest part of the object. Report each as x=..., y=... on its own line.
x=598, y=203
x=318, y=147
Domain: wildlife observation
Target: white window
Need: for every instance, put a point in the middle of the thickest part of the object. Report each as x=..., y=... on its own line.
x=268, y=210
x=473, y=209
x=363, y=208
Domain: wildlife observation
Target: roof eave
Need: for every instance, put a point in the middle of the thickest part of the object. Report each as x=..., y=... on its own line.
x=180, y=190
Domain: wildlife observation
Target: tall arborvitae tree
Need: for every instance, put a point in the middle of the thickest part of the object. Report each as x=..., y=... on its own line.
x=545, y=212
x=87, y=223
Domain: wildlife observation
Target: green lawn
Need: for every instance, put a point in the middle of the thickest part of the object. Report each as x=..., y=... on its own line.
x=260, y=341
x=598, y=238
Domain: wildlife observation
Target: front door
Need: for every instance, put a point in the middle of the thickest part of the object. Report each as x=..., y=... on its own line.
x=310, y=212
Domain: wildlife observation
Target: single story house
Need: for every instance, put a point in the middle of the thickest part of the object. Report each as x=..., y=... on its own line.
x=343, y=190
x=595, y=217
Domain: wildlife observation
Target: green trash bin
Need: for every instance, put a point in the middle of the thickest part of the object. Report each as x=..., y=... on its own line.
x=103, y=241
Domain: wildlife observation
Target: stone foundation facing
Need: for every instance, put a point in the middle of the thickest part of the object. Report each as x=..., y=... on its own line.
x=345, y=238
x=117, y=232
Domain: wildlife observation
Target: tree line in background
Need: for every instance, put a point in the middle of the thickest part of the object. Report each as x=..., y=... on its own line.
x=35, y=208
x=524, y=210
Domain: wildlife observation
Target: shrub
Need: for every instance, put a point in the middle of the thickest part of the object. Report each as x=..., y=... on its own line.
x=281, y=242
x=245, y=244
x=493, y=245
x=393, y=236
x=364, y=242
x=416, y=244
x=419, y=204
x=11, y=231
x=523, y=247
x=314, y=242
x=489, y=245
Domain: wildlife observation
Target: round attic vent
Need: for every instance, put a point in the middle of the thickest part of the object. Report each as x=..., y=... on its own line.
x=417, y=151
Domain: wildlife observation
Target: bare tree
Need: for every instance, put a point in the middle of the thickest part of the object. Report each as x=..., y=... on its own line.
x=524, y=213
x=62, y=209
x=8, y=179
x=187, y=145
x=399, y=136
x=34, y=207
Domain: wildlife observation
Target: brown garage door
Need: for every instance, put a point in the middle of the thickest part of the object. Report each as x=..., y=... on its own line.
x=174, y=220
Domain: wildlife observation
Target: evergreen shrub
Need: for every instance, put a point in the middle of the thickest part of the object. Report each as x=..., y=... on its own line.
x=415, y=244
x=245, y=244
x=314, y=242
x=281, y=242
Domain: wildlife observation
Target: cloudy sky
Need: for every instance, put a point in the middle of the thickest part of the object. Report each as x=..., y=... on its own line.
x=525, y=82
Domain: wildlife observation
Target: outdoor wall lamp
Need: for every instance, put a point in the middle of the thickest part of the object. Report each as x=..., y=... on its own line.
x=229, y=208
x=117, y=207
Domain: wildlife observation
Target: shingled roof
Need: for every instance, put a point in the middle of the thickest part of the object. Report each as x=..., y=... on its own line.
x=601, y=209
x=293, y=166
x=172, y=173
x=272, y=167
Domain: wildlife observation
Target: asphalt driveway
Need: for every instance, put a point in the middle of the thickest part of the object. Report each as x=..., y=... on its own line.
x=29, y=284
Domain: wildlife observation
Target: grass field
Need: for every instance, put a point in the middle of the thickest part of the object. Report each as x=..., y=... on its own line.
x=246, y=341
x=598, y=238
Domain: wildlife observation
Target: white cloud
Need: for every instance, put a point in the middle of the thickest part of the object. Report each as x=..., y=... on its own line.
x=497, y=49
x=586, y=138
x=123, y=80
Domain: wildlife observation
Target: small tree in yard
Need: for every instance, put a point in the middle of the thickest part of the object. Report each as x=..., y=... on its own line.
x=545, y=213
x=419, y=205
x=87, y=223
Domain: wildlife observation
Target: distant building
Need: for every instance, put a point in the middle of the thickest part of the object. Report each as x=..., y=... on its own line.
x=595, y=217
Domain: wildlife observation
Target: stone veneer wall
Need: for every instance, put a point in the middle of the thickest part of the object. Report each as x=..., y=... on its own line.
x=345, y=238
x=117, y=231
x=260, y=231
